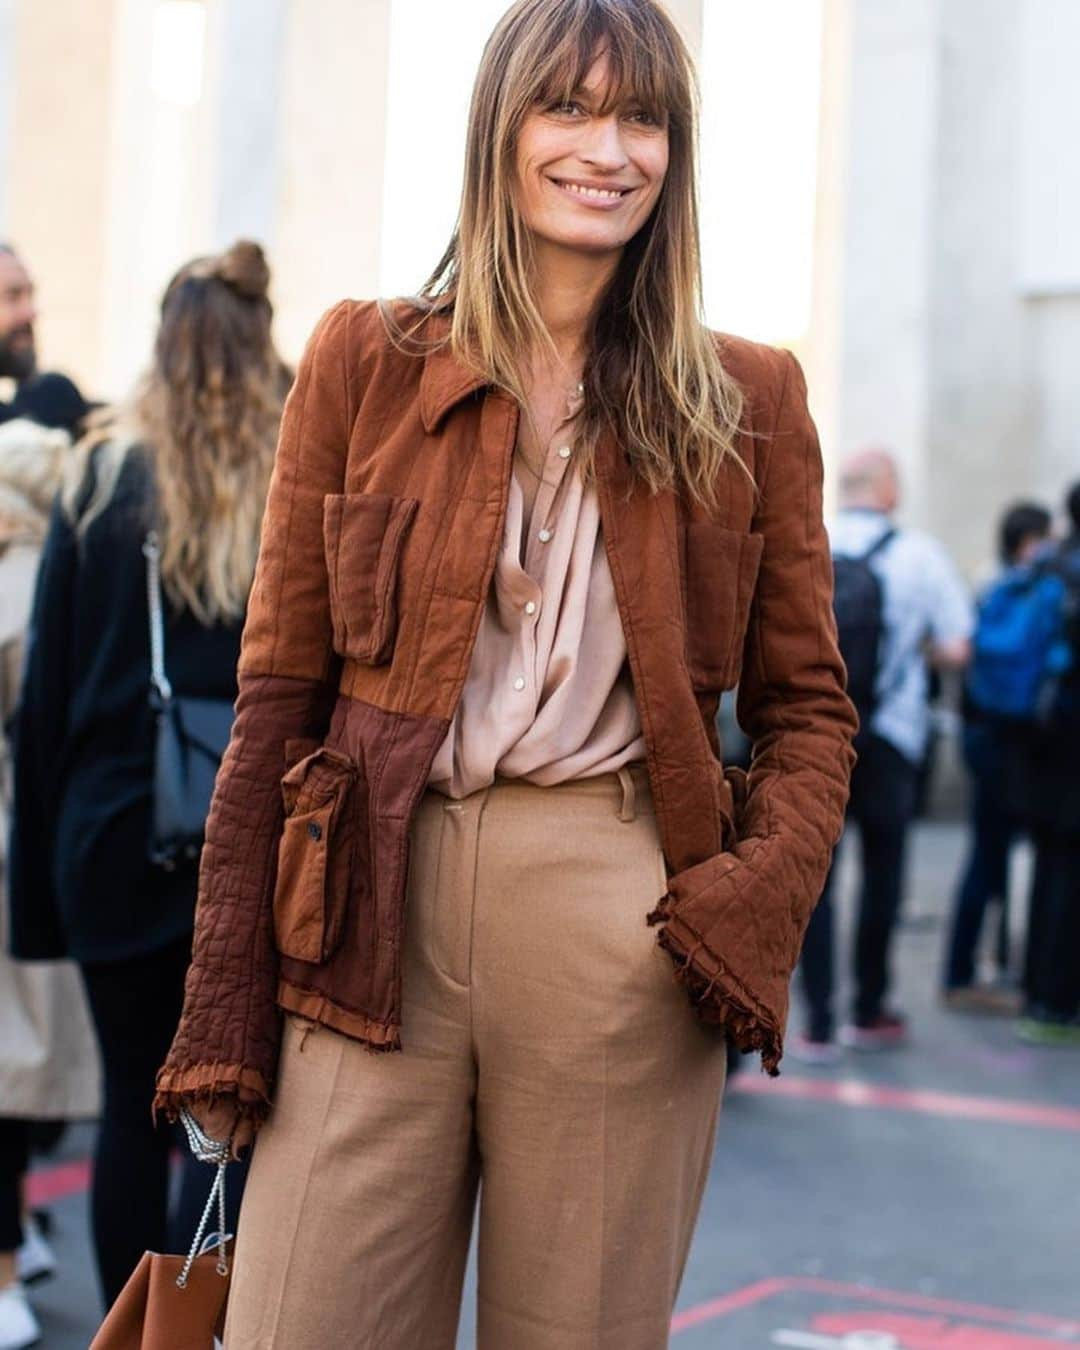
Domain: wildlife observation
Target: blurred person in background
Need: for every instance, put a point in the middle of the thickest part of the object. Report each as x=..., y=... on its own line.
x=901, y=606
x=1047, y=790
x=51, y=399
x=189, y=457
x=48, y=1061
x=1003, y=650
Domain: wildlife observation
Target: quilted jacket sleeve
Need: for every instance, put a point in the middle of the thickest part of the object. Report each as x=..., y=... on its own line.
x=227, y=1040
x=746, y=910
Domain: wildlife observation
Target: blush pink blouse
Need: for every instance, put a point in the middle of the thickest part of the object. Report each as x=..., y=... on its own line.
x=548, y=697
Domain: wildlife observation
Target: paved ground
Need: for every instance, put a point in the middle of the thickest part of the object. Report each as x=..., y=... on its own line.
x=928, y=1199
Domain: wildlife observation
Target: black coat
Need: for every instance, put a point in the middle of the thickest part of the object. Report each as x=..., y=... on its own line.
x=51, y=400
x=80, y=881
x=1044, y=777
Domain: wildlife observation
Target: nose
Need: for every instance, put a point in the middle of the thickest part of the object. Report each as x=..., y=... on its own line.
x=603, y=146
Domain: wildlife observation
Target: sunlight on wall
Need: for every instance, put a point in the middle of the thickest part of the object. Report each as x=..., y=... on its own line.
x=177, y=53
x=158, y=209
x=434, y=52
x=760, y=80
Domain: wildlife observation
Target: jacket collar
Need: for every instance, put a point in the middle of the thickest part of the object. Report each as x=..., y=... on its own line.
x=445, y=380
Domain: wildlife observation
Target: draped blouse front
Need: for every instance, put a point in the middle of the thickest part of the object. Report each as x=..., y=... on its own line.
x=548, y=696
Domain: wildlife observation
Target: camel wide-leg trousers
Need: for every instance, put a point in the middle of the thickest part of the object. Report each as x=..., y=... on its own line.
x=551, y=1065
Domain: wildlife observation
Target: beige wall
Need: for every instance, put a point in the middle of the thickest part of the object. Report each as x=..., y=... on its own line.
x=333, y=132
x=824, y=344
x=58, y=150
x=690, y=15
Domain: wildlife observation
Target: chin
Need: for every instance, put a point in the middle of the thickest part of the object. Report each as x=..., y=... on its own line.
x=587, y=241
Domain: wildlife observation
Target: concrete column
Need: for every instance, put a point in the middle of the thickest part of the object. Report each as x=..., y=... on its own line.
x=56, y=186
x=332, y=155
x=1049, y=207
x=245, y=56
x=157, y=168
x=824, y=349
x=886, y=278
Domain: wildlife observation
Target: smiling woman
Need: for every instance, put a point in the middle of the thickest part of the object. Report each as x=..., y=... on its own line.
x=523, y=530
x=602, y=104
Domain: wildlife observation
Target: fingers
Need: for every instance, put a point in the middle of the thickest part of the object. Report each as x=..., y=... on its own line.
x=242, y=1139
x=222, y=1120
x=218, y=1119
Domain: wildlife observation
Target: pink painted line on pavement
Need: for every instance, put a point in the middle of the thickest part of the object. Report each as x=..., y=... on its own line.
x=853, y=1092
x=764, y=1289
x=54, y=1183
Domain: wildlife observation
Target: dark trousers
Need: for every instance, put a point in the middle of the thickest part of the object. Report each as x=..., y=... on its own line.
x=881, y=808
x=135, y=1005
x=1052, y=961
x=994, y=830
x=14, y=1160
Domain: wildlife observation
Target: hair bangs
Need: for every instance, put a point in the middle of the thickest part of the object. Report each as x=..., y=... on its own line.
x=644, y=69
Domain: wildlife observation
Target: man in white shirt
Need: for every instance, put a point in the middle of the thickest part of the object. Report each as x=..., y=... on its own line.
x=926, y=618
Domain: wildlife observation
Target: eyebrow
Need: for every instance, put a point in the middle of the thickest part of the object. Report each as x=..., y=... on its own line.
x=605, y=97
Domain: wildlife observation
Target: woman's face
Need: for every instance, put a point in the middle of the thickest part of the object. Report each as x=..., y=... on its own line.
x=588, y=180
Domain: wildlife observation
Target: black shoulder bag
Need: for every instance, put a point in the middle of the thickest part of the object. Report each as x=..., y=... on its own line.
x=190, y=736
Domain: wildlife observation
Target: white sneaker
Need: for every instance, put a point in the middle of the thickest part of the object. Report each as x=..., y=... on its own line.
x=18, y=1325
x=35, y=1259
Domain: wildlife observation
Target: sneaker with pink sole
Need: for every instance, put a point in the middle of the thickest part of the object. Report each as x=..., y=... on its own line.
x=807, y=1050
x=887, y=1031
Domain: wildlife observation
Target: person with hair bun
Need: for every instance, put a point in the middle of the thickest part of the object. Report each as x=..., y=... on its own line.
x=187, y=456
x=480, y=904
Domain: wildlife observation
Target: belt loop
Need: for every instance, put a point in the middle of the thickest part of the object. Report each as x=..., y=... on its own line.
x=628, y=806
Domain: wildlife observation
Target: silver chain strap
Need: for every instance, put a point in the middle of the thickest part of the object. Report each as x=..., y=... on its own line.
x=218, y=1152
x=158, y=678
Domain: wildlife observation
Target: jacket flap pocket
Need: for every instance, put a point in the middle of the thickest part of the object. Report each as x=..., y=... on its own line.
x=300, y=895
x=720, y=570
x=315, y=855
x=363, y=534
x=321, y=775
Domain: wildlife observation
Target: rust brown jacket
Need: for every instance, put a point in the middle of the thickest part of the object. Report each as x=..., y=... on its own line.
x=384, y=519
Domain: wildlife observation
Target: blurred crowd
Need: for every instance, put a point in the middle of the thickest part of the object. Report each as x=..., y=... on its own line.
x=907, y=625
x=98, y=932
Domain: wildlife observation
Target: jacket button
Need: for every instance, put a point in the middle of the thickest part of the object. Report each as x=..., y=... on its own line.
x=314, y=829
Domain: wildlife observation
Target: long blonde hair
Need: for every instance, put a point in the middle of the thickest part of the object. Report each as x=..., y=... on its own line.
x=653, y=374
x=206, y=416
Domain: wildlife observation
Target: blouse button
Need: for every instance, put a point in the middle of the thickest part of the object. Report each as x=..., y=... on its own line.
x=564, y=453
x=519, y=683
x=530, y=607
x=544, y=536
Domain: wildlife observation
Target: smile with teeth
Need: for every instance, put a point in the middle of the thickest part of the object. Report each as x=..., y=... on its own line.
x=595, y=193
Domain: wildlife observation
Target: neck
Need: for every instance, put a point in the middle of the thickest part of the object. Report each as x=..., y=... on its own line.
x=567, y=285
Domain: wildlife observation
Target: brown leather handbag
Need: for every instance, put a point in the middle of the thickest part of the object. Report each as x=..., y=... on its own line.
x=176, y=1302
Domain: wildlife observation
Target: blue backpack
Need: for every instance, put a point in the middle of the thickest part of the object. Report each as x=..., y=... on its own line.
x=1022, y=650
